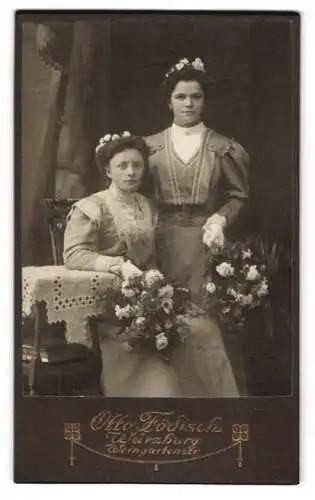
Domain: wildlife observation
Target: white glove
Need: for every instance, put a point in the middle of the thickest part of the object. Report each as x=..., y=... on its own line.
x=213, y=231
x=129, y=270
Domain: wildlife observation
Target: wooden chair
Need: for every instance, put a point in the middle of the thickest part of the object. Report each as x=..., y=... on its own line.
x=61, y=369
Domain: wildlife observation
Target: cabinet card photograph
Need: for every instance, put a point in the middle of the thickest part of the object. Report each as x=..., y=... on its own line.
x=157, y=236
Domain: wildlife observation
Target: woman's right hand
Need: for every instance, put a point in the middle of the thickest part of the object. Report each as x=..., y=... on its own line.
x=129, y=270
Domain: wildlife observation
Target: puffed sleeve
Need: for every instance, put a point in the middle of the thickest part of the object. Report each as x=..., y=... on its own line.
x=81, y=241
x=234, y=181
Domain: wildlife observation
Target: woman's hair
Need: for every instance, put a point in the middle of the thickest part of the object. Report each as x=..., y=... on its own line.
x=186, y=74
x=104, y=152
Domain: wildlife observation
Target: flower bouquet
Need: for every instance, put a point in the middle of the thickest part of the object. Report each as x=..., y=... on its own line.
x=236, y=283
x=152, y=313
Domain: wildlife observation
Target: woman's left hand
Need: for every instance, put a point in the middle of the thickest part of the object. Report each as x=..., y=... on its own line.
x=213, y=231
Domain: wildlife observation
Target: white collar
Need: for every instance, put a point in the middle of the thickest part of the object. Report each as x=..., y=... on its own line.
x=186, y=131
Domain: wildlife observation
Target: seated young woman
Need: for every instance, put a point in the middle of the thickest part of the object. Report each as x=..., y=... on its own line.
x=114, y=231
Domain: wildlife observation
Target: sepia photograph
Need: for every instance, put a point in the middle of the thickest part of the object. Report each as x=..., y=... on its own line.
x=157, y=184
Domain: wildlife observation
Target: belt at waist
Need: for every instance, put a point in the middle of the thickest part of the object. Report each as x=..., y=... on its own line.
x=183, y=214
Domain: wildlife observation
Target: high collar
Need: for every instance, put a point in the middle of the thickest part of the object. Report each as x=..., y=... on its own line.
x=121, y=195
x=188, y=131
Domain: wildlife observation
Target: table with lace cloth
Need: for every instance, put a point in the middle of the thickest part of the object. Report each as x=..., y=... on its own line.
x=69, y=295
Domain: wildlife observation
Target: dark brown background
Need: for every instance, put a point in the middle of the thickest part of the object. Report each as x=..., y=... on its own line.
x=253, y=76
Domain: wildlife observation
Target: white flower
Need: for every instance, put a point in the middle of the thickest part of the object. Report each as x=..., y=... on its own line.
x=198, y=64
x=225, y=269
x=115, y=137
x=168, y=324
x=123, y=312
x=185, y=60
x=247, y=254
x=126, y=134
x=263, y=288
x=210, y=287
x=166, y=291
x=161, y=341
x=140, y=322
x=179, y=66
x=245, y=300
x=167, y=305
x=253, y=273
x=107, y=138
x=153, y=276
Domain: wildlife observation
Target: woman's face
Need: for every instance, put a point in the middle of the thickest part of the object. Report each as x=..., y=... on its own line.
x=126, y=170
x=187, y=103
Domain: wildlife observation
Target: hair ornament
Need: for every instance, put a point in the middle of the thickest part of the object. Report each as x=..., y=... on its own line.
x=197, y=64
x=106, y=139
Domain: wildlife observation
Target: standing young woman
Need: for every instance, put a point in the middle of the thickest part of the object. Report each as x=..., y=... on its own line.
x=200, y=180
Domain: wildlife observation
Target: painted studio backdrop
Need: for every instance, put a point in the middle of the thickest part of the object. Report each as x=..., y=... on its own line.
x=83, y=78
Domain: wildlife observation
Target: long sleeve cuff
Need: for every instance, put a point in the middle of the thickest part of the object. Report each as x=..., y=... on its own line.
x=106, y=263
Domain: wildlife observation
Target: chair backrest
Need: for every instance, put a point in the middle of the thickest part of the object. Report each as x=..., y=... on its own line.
x=56, y=212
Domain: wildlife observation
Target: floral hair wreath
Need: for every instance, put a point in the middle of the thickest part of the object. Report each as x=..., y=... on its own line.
x=197, y=64
x=106, y=139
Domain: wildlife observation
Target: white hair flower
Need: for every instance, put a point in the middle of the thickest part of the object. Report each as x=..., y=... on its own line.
x=198, y=64
x=179, y=66
x=108, y=138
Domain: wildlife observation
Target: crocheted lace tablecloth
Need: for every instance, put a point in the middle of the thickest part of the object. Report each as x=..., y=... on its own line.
x=70, y=296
